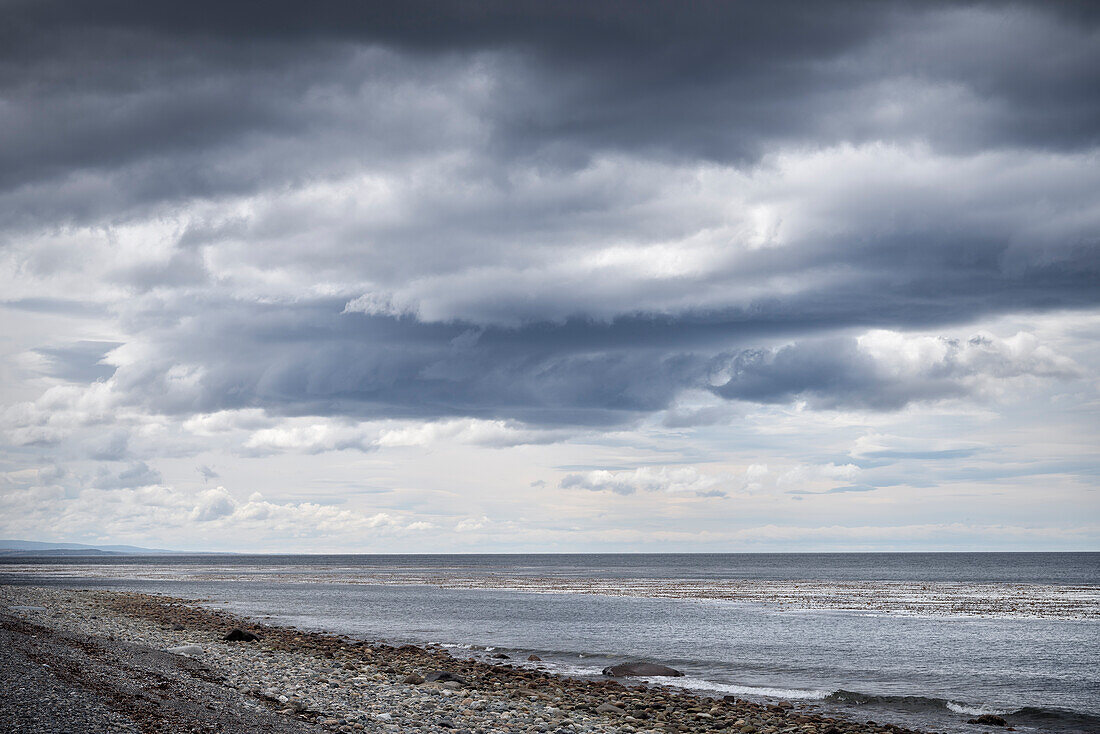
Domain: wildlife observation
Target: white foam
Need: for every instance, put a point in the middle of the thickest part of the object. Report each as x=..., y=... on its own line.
x=568, y=668
x=701, y=684
x=960, y=708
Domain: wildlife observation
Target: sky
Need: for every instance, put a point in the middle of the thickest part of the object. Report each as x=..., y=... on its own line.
x=561, y=277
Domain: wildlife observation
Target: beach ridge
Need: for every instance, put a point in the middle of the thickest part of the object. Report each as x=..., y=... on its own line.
x=295, y=680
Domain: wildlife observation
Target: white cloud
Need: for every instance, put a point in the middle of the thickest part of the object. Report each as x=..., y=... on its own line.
x=311, y=436
x=807, y=475
x=471, y=524
x=982, y=355
x=316, y=435
x=692, y=242
x=471, y=431
x=213, y=515
x=213, y=504
x=378, y=304
x=58, y=413
x=673, y=480
x=225, y=421
x=879, y=444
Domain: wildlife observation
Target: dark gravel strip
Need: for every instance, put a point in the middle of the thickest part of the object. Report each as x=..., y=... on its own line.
x=60, y=683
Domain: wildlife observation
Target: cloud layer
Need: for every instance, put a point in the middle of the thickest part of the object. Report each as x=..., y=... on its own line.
x=548, y=237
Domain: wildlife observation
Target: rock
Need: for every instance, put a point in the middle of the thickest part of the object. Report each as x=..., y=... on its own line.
x=643, y=669
x=186, y=650
x=413, y=679
x=785, y=705
x=534, y=659
x=26, y=608
x=239, y=635
x=609, y=708
x=443, y=676
x=178, y=628
x=988, y=720
x=501, y=656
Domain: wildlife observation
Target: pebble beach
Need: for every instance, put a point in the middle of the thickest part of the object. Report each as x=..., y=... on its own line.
x=143, y=663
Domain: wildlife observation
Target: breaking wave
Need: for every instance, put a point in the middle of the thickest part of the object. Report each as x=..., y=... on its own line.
x=1048, y=717
x=701, y=684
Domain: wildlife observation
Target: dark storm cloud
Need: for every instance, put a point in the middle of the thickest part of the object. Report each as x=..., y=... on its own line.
x=102, y=130
x=833, y=373
x=844, y=372
x=311, y=359
x=157, y=95
x=451, y=203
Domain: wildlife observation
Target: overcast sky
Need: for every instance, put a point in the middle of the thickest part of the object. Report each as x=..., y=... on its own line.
x=507, y=276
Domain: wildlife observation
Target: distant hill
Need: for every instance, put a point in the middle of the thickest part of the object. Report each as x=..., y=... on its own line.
x=37, y=548
x=51, y=552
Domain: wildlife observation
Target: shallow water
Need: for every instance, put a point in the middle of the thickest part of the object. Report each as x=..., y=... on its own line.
x=912, y=660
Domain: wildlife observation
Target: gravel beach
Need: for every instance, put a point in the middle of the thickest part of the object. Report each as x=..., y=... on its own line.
x=96, y=661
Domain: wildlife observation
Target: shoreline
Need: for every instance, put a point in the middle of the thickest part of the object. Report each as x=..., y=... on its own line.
x=326, y=682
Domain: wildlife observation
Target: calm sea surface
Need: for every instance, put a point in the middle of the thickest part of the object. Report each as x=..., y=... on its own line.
x=926, y=640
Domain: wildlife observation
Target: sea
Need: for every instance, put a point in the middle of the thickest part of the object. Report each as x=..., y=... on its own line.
x=925, y=640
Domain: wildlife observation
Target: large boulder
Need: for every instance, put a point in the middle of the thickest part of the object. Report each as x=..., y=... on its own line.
x=641, y=669
x=988, y=720
x=444, y=676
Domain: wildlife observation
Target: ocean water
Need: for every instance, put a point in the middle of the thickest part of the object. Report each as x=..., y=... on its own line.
x=925, y=640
